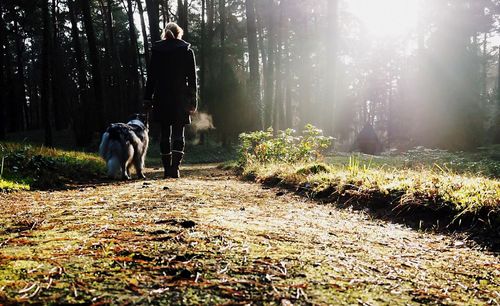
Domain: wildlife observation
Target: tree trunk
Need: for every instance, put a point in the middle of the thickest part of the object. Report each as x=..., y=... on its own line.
x=153, y=8
x=167, y=9
x=496, y=136
x=163, y=14
x=210, y=43
x=112, y=74
x=287, y=90
x=20, y=85
x=2, y=78
x=261, y=43
x=263, y=54
x=253, y=54
x=182, y=16
x=278, y=106
x=46, y=80
x=330, y=94
x=79, y=57
x=222, y=16
x=134, y=68
x=59, y=91
x=203, y=49
x=80, y=127
x=144, y=32
x=94, y=108
x=484, y=71
x=270, y=72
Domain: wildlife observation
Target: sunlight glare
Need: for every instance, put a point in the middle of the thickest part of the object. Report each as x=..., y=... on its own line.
x=386, y=18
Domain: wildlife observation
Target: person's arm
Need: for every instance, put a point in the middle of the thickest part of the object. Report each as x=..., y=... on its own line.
x=191, y=81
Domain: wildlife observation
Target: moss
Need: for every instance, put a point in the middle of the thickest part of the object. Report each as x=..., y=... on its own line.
x=314, y=168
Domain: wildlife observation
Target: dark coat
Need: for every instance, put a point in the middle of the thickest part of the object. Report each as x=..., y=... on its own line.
x=171, y=84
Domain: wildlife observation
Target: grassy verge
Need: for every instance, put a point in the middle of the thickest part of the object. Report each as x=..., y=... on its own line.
x=484, y=162
x=36, y=167
x=422, y=195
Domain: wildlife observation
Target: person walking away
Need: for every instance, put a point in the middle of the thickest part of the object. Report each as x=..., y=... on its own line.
x=171, y=92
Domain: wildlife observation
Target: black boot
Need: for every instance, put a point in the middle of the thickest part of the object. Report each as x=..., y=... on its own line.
x=166, y=160
x=176, y=162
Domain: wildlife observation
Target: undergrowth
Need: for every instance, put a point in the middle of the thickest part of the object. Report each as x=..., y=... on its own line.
x=431, y=182
x=25, y=166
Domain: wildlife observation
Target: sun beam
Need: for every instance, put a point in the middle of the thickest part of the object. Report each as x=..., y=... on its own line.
x=386, y=18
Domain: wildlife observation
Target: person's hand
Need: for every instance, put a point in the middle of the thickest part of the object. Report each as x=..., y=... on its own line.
x=147, y=105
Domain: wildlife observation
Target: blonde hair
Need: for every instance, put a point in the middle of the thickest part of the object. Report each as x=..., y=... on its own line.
x=172, y=30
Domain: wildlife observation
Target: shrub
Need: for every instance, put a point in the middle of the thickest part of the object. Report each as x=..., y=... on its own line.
x=286, y=146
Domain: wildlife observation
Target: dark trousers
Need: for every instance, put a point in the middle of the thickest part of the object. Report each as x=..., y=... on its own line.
x=172, y=138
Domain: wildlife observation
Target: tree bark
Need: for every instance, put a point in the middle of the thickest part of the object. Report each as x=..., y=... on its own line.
x=152, y=8
x=270, y=71
x=210, y=42
x=46, y=80
x=167, y=9
x=203, y=50
x=330, y=95
x=93, y=112
x=2, y=77
x=59, y=91
x=79, y=57
x=144, y=32
x=163, y=14
x=222, y=16
x=20, y=85
x=496, y=136
x=279, y=106
x=253, y=54
x=134, y=68
x=80, y=127
x=182, y=16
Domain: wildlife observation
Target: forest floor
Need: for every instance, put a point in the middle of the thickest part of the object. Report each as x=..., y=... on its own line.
x=211, y=238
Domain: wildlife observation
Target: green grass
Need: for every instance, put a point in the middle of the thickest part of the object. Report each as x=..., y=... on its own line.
x=427, y=181
x=12, y=186
x=484, y=162
x=34, y=167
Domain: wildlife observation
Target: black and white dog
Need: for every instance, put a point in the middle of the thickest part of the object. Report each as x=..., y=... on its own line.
x=125, y=145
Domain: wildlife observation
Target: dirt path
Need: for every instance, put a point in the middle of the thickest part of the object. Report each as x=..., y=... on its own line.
x=209, y=238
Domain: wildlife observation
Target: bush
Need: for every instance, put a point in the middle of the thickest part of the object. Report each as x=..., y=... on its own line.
x=286, y=146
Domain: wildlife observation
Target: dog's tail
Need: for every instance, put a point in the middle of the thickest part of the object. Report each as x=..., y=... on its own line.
x=104, y=146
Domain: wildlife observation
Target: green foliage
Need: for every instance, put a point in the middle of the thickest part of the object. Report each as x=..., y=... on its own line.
x=355, y=165
x=286, y=146
x=39, y=167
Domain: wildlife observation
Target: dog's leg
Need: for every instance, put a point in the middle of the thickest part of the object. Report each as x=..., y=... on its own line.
x=125, y=172
x=129, y=167
x=139, y=164
x=125, y=168
x=127, y=161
